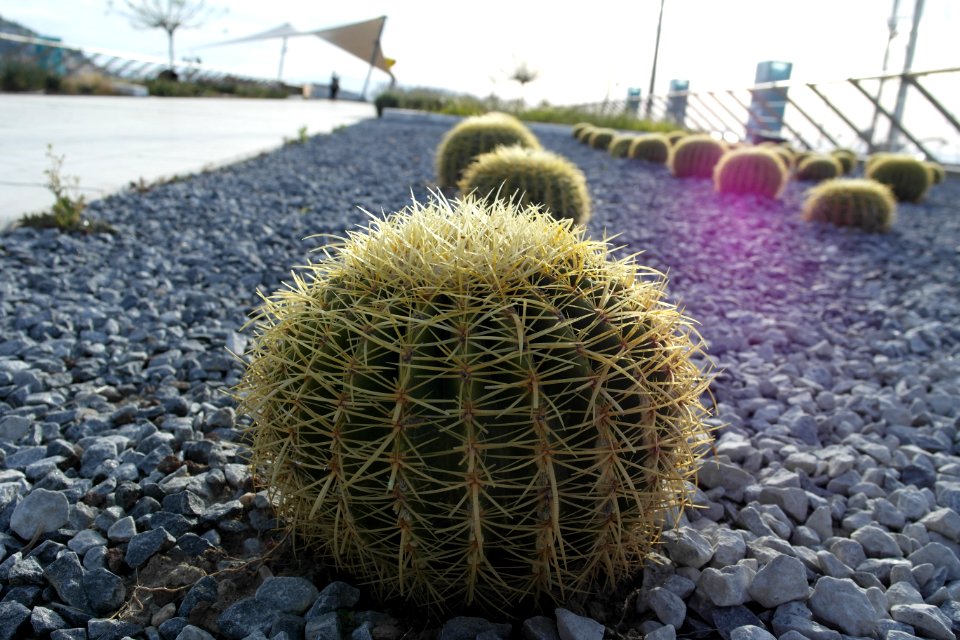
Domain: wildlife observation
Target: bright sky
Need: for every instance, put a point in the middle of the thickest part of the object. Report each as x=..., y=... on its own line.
x=582, y=51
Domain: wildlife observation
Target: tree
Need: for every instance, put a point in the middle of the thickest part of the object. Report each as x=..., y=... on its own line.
x=523, y=74
x=168, y=15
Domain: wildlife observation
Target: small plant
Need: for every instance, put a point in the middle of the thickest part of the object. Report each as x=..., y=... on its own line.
x=936, y=171
x=847, y=158
x=473, y=403
x=474, y=136
x=652, y=147
x=386, y=100
x=532, y=177
x=786, y=154
x=695, y=156
x=908, y=177
x=845, y=202
x=757, y=170
x=600, y=138
x=818, y=167
x=66, y=214
x=619, y=147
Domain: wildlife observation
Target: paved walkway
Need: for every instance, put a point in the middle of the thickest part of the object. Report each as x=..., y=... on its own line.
x=109, y=142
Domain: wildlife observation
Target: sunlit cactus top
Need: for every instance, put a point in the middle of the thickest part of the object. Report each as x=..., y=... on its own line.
x=473, y=403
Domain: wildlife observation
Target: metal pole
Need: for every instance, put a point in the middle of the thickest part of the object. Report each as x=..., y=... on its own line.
x=653, y=71
x=892, y=142
x=892, y=33
x=283, y=53
x=373, y=58
x=894, y=122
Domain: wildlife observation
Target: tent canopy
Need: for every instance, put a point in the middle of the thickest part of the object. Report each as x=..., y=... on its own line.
x=361, y=39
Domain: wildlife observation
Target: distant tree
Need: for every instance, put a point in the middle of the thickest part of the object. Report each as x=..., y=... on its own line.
x=523, y=74
x=168, y=15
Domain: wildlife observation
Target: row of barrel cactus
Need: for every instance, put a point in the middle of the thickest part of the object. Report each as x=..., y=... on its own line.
x=765, y=170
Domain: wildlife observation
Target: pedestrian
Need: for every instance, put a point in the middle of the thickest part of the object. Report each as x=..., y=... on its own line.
x=334, y=85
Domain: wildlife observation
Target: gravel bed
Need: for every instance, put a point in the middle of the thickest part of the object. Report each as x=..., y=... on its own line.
x=829, y=507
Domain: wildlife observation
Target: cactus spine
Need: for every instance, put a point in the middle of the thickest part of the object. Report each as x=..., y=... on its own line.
x=472, y=403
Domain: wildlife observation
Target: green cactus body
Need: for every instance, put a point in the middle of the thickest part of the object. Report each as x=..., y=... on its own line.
x=600, y=138
x=472, y=403
x=937, y=173
x=676, y=136
x=476, y=135
x=652, y=147
x=874, y=158
x=585, y=133
x=620, y=145
x=814, y=168
x=847, y=159
x=579, y=127
x=787, y=155
x=533, y=177
x=851, y=203
x=695, y=156
x=758, y=170
x=907, y=176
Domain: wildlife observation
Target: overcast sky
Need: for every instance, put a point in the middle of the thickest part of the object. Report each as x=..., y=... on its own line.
x=583, y=51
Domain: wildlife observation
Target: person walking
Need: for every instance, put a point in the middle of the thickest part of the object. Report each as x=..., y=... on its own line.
x=334, y=85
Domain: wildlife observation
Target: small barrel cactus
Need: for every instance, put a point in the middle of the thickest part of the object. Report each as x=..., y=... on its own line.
x=695, y=156
x=473, y=403
x=652, y=147
x=817, y=167
x=600, y=138
x=579, y=127
x=620, y=145
x=851, y=203
x=532, y=176
x=936, y=171
x=847, y=159
x=907, y=176
x=676, y=136
x=584, y=134
x=758, y=170
x=476, y=135
x=787, y=155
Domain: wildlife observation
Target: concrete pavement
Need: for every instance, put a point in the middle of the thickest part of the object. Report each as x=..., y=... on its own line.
x=109, y=142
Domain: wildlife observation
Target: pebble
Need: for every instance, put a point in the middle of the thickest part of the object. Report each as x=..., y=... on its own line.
x=570, y=626
x=841, y=603
x=40, y=511
x=781, y=580
x=287, y=594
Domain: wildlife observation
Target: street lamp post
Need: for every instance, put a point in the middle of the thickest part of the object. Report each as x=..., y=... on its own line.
x=653, y=71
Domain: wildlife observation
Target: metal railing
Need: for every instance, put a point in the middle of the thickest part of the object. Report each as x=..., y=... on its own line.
x=851, y=113
x=126, y=66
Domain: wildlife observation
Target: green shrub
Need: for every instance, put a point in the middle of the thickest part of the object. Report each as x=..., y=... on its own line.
x=847, y=159
x=757, y=170
x=601, y=138
x=619, y=147
x=851, y=203
x=476, y=135
x=532, y=177
x=474, y=404
x=906, y=176
x=695, y=156
x=814, y=168
x=652, y=147
x=386, y=100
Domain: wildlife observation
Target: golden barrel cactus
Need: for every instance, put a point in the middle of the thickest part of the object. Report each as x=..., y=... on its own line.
x=476, y=135
x=470, y=402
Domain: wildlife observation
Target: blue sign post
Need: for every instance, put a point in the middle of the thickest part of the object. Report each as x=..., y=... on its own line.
x=633, y=101
x=767, y=105
x=677, y=104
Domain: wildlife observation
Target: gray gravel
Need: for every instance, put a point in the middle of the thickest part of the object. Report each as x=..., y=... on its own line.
x=829, y=508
